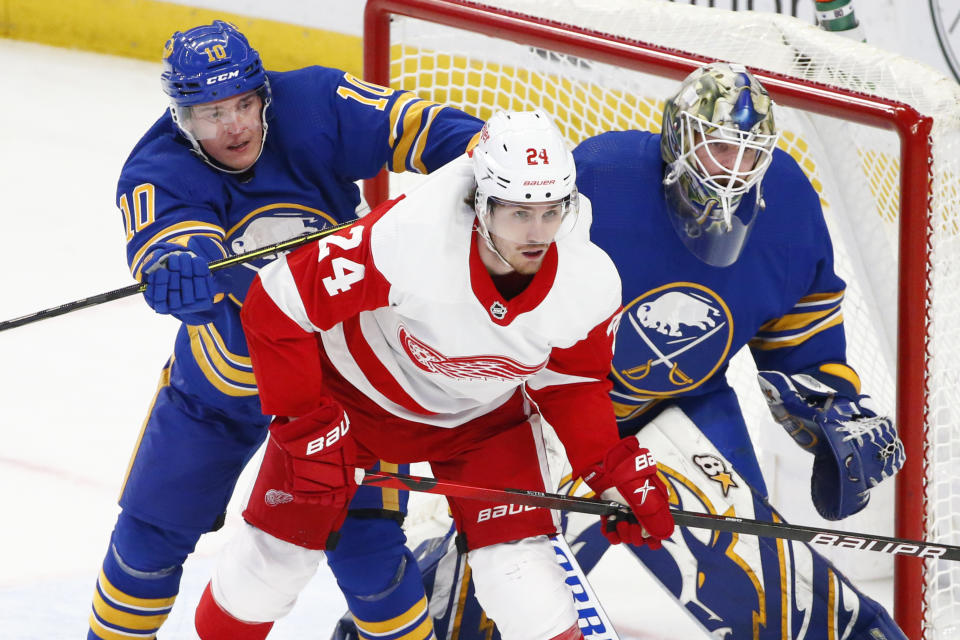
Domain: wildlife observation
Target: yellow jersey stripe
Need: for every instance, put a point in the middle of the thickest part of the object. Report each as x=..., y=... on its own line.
x=386, y=627
x=473, y=141
x=398, y=106
x=225, y=368
x=421, y=142
x=411, y=128
x=179, y=233
x=237, y=360
x=820, y=298
x=210, y=372
x=164, y=381
x=794, y=321
x=768, y=344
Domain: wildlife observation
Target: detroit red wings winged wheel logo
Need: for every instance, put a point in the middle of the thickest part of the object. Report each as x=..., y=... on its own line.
x=464, y=367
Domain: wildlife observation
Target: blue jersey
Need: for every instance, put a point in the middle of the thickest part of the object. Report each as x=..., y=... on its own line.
x=684, y=319
x=326, y=129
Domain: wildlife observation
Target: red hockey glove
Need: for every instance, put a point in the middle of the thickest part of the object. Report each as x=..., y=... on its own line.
x=319, y=456
x=629, y=475
x=306, y=479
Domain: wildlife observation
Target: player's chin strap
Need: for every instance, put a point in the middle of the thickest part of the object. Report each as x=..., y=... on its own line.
x=484, y=233
x=783, y=530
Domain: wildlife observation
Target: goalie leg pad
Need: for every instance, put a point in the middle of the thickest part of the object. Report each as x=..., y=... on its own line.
x=522, y=588
x=140, y=578
x=380, y=580
x=730, y=582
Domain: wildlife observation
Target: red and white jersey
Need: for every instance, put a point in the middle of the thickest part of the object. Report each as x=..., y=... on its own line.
x=405, y=310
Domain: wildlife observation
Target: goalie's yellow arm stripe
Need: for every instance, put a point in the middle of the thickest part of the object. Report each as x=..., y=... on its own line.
x=767, y=344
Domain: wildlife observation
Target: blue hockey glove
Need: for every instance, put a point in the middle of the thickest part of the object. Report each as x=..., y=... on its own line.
x=854, y=449
x=179, y=282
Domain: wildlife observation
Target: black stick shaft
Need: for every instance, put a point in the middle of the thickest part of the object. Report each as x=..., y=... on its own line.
x=132, y=289
x=813, y=535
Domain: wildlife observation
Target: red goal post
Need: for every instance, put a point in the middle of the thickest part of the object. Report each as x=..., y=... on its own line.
x=800, y=85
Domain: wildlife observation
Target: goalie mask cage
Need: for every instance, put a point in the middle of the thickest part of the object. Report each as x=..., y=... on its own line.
x=878, y=136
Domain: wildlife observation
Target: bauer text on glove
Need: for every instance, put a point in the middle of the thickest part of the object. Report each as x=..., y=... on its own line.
x=628, y=475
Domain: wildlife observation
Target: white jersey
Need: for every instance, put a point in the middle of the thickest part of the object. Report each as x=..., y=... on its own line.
x=407, y=313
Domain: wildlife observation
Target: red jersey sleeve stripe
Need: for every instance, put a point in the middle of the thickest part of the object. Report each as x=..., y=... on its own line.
x=376, y=373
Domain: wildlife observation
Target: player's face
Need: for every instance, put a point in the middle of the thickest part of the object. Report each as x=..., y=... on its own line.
x=720, y=158
x=523, y=232
x=230, y=130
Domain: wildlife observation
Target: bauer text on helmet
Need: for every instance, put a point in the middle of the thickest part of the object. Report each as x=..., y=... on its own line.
x=219, y=94
x=717, y=142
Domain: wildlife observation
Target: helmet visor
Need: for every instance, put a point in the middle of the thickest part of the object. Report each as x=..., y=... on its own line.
x=532, y=223
x=209, y=120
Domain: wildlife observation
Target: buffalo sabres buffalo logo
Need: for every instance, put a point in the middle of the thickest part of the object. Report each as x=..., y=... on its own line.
x=671, y=340
x=263, y=227
x=275, y=223
x=483, y=367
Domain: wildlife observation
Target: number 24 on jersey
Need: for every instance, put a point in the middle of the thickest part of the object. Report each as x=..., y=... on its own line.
x=346, y=272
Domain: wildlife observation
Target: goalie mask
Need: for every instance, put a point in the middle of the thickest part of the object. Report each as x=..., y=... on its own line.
x=717, y=142
x=202, y=68
x=520, y=164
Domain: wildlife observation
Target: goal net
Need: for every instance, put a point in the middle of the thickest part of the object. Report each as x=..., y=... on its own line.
x=878, y=136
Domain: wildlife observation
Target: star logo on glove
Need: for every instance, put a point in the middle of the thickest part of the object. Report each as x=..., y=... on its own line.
x=644, y=490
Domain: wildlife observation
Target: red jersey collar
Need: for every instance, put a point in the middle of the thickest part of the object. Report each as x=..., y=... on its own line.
x=500, y=311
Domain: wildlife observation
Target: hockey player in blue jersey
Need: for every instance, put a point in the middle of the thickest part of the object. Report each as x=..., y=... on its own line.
x=243, y=158
x=733, y=250
x=720, y=242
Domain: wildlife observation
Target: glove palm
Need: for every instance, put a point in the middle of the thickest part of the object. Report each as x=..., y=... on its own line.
x=854, y=449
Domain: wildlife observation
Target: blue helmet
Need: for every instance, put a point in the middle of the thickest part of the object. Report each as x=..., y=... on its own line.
x=206, y=64
x=209, y=63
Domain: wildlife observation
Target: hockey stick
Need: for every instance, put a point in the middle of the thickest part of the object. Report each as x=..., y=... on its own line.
x=132, y=289
x=813, y=535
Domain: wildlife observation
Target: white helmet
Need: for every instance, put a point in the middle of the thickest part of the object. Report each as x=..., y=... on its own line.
x=521, y=157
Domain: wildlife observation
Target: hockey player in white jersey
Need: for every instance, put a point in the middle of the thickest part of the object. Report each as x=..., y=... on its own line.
x=439, y=328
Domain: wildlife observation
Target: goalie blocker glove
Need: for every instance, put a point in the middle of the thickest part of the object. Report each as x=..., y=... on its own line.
x=854, y=449
x=628, y=475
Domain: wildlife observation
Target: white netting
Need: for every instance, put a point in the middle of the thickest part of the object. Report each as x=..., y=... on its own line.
x=855, y=169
